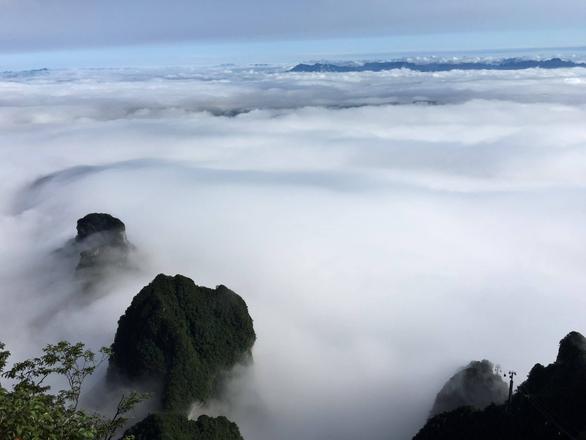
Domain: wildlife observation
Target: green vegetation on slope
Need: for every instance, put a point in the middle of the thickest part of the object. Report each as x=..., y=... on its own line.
x=178, y=427
x=28, y=411
x=183, y=337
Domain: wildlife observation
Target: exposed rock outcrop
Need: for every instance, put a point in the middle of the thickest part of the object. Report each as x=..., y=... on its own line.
x=101, y=241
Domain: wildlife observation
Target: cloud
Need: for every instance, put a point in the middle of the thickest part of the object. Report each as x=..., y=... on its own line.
x=379, y=244
x=34, y=24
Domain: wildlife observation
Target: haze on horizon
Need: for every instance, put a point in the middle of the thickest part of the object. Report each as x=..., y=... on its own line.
x=71, y=33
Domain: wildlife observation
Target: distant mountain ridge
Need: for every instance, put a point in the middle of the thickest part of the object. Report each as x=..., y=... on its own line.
x=439, y=66
x=16, y=74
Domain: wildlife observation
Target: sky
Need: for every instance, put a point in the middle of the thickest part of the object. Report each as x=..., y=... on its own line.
x=384, y=228
x=69, y=33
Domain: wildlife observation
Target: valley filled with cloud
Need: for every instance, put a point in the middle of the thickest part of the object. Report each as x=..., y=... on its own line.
x=384, y=228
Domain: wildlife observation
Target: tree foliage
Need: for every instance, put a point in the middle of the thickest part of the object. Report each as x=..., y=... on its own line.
x=183, y=337
x=28, y=409
x=170, y=426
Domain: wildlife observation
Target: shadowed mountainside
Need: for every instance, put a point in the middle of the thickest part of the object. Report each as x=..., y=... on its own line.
x=178, y=427
x=99, y=249
x=477, y=385
x=549, y=405
x=101, y=240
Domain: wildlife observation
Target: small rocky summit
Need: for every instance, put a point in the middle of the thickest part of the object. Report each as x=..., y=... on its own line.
x=96, y=223
x=477, y=385
x=178, y=339
x=550, y=404
x=572, y=350
x=168, y=426
x=101, y=240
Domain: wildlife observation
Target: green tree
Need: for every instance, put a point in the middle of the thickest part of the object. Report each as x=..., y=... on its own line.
x=29, y=411
x=183, y=337
x=170, y=426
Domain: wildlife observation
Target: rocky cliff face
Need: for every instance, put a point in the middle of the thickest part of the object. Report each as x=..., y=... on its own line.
x=550, y=404
x=90, y=261
x=181, y=338
x=477, y=385
x=101, y=242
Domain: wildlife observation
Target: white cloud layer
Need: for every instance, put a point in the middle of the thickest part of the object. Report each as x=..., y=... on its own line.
x=380, y=241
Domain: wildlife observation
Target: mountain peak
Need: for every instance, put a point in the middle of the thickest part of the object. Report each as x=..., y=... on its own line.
x=572, y=348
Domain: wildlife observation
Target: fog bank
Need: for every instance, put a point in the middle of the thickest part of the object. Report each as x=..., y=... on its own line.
x=384, y=228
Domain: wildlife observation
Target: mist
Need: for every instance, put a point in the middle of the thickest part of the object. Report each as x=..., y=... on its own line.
x=385, y=229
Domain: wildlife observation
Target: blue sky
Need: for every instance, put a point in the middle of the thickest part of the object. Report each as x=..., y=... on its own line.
x=195, y=53
x=70, y=33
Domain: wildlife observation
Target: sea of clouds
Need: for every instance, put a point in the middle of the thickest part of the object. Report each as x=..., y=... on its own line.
x=384, y=228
